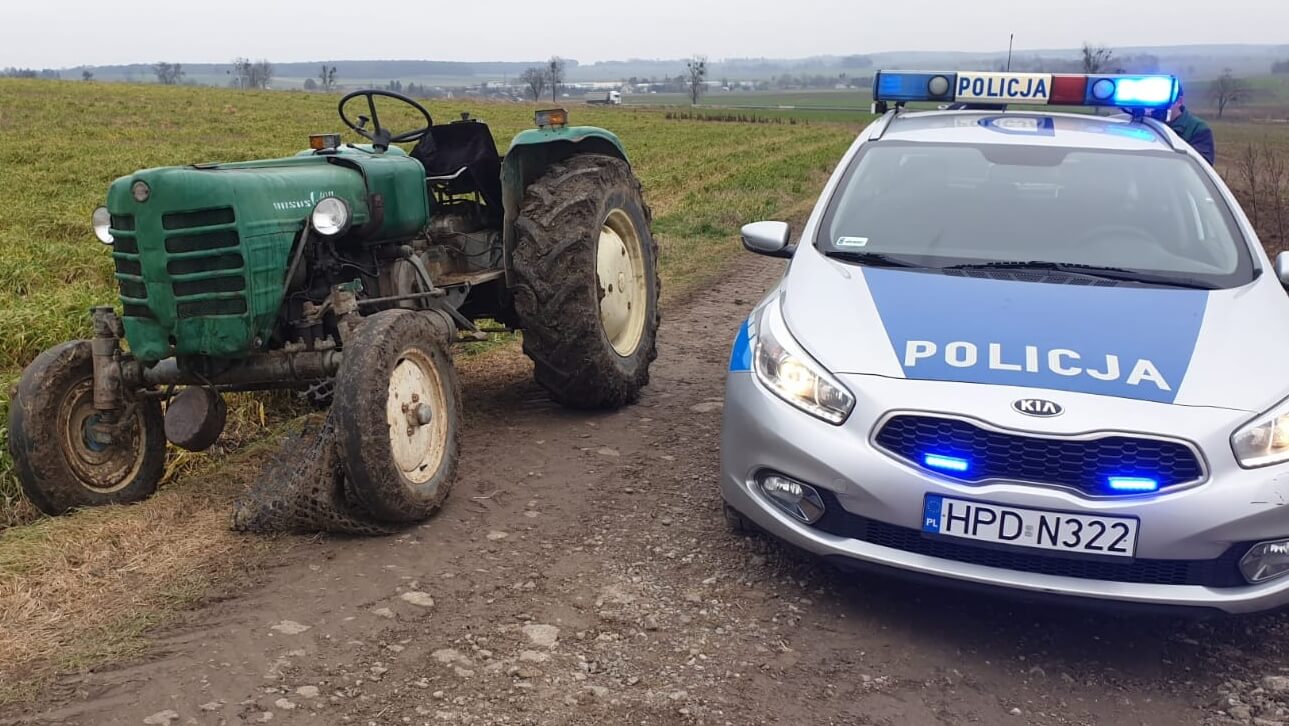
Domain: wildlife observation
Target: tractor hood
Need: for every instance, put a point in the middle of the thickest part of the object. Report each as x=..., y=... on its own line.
x=1215, y=348
x=277, y=195
x=201, y=262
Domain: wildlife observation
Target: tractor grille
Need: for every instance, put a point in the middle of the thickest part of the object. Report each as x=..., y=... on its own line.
x=204, y=265
x=1082, y=464
x=200, y=218
x=129, y=271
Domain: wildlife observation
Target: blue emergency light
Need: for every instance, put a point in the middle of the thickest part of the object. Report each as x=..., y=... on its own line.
x=1133, y=484
x=946, y=463
x=1131, y=92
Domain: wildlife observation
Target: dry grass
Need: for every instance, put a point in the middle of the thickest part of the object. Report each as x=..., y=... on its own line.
x=76, y=592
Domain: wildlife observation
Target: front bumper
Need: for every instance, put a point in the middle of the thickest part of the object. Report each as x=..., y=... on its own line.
x=1193, y=535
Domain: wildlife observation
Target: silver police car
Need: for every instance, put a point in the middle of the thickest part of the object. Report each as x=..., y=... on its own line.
x=1032, y=350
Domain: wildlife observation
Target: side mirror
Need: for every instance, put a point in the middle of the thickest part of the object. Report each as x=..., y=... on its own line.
x=769, y=239
x=1282, y=268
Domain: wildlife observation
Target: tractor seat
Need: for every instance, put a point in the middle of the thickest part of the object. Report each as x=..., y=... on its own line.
x=461, y=158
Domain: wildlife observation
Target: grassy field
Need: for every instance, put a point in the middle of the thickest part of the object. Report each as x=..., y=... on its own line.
x=78, y=590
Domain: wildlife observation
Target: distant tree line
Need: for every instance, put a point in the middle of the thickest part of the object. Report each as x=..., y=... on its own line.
x=1280, y=66
x=30, y=73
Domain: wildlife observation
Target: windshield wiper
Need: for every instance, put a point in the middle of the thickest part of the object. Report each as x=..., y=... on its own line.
x=871, y=259
x=1098, y=271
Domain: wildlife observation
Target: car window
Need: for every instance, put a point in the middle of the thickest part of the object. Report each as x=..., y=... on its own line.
x=949, y=204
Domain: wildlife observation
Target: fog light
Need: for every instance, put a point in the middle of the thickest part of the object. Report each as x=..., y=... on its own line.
x=1265, y=561
x=797, y=499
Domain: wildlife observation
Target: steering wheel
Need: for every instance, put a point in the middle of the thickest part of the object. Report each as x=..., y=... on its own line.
x=380, y=136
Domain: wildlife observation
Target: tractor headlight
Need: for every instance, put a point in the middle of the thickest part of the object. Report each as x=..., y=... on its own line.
x=102, y=221
x=1264, y=440
x=330, y=217
x=787, y=370
x=140, y=191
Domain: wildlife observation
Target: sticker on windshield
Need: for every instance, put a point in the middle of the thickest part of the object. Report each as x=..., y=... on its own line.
x=852, y=242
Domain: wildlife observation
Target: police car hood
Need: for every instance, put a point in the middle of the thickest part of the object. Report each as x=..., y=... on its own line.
x=1218, y=348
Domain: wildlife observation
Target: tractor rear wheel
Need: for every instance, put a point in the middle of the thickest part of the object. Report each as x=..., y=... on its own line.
x=586, y=293
x=61, y=464
x=398, y=409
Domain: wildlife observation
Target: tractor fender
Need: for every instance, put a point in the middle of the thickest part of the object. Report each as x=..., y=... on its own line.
x=531, y=154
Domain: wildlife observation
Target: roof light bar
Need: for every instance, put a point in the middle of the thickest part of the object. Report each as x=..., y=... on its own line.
x=1140, y=92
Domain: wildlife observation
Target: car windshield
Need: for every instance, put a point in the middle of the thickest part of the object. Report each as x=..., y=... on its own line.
x=1148, y=216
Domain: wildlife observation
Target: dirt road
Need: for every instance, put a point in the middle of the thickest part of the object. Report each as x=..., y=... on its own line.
x=581, y=574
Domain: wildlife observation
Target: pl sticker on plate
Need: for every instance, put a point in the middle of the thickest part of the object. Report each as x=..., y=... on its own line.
x=851, y=242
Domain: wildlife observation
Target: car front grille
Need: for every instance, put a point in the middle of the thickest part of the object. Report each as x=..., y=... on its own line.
x=1220, y=572
x=1083, y=464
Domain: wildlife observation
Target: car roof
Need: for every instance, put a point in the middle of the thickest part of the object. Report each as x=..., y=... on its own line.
x=1028, y=128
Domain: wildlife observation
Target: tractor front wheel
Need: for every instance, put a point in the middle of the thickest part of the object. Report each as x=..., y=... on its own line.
x=586, y=293
x=398, y=409
x=55, y=437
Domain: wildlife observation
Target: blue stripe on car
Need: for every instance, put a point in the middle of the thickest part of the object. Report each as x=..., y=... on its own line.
x=741, y=356
x=1125, y=341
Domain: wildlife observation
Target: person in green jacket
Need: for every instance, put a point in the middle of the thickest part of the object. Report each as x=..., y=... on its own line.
x=1191, y=128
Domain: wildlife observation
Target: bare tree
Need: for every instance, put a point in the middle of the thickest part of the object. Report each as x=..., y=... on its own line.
x=555, y=74
x=697, y=78
x=535, y=79
x=261, y=74
x=1277, y=169
x=1227, y=90
x=327, y=78
x=1096, y=58
x=1248, y=165
x=241, y=72
x=168, y=73
x=252, y=74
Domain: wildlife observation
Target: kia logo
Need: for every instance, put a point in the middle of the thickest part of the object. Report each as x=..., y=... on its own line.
x=1038, y=407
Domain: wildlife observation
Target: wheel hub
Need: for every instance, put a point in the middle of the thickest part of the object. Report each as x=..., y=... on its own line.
x=418, y=437
x=102, y=463
x=622, y=283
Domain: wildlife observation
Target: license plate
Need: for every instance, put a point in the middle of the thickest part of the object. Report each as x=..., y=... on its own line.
x=1037, y=529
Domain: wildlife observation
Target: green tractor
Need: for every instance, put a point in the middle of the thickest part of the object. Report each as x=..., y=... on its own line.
x=346, y=271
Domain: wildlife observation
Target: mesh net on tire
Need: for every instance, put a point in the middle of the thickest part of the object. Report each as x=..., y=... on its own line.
x=304, y=490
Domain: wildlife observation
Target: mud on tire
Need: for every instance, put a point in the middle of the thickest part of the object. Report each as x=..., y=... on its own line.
x=397, y=470
x=558, y=293
x=58, y=466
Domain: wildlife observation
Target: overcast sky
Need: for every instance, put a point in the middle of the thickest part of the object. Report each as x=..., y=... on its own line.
x=60, y=33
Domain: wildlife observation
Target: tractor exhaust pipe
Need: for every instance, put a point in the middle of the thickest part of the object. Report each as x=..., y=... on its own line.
x=269, y=368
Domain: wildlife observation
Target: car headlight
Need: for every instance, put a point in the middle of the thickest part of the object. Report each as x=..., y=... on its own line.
x=102, y=221
x=330, y=217
x=788, y=371
x=1264, y=440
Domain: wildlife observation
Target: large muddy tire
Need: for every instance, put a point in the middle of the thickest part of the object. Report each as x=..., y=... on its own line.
x=398, y=417
x=59, y=466
x=586, y=282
